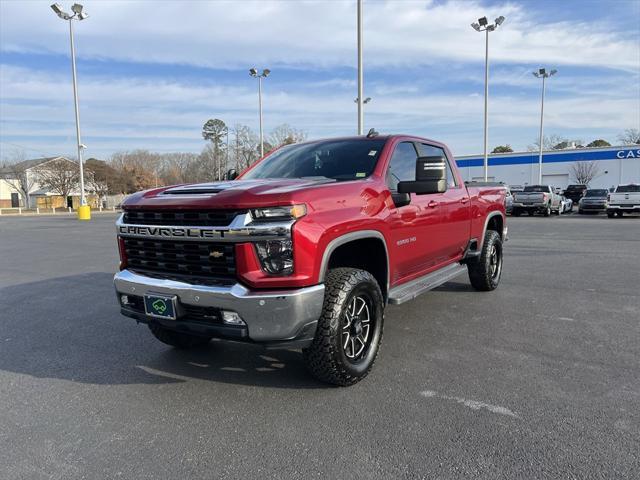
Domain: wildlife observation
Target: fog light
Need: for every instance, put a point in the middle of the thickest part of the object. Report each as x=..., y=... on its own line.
x=231, y=318
x=124, y=299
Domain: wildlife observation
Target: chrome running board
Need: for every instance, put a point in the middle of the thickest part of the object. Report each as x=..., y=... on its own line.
x=410, y=290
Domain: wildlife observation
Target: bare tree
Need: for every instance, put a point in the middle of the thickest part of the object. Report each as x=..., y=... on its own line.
x=60, y=176
x=584, y=172
x=17, y=176
x=631, y=136
x=246, y=146
x=285, y=134
x=100, y=177
x=138, y=170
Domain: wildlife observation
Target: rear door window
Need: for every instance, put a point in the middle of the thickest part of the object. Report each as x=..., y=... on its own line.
x=427, y=150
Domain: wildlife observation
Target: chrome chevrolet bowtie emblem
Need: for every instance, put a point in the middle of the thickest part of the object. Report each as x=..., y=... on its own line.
x=216, y=254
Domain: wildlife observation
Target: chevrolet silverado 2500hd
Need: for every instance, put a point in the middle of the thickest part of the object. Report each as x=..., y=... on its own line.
x=306, y=248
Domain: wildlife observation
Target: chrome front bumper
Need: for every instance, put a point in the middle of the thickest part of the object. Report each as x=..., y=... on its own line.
x=270, y=316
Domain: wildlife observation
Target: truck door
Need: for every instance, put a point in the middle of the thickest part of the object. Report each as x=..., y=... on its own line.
x=416, y=227
x=455, y=209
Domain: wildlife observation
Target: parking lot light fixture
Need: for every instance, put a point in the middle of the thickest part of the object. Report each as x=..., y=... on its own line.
x=84, y=211
x=265, y=73
x=483, y=25
x=543, y=74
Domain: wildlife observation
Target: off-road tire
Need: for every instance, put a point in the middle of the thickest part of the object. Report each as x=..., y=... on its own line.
x=326, y=357
x=481, y=274
x=178, y=339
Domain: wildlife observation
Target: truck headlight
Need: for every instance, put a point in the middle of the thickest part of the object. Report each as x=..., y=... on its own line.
x=276, y=256
x=275, y=214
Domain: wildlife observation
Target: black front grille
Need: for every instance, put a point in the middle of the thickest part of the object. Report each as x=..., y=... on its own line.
x=182, y=218
x=204, y=260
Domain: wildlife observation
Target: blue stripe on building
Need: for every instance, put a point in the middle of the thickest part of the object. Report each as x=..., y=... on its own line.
x=578, y=155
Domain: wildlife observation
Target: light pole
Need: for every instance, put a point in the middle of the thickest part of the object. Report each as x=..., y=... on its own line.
x=265, y=73
x=84, y=211
x=542, y=73
x=360, y=99
x=483, y=25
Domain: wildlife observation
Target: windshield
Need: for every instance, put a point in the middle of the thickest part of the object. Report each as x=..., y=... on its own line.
x=628, y=189
x=536, y=188
x=340, y=160
x=597, y=193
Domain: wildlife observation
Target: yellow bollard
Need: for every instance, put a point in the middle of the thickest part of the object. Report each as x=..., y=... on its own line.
x=84, y=212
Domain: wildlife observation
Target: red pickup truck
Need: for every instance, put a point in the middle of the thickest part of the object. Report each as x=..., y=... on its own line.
x=306, y=248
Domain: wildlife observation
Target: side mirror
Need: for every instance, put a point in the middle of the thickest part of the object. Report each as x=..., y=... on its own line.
x=431, y=177
x=231, y=174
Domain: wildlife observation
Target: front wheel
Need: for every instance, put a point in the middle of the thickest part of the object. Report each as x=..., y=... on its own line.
x=547, y=211
x=485, y=272
x=349, y=330
x=610, y=214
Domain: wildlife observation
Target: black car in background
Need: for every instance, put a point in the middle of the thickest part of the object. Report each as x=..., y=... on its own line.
x=594, y=200
x=575, y=192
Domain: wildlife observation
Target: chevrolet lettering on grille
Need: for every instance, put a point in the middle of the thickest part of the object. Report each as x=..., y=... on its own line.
x=169, y=232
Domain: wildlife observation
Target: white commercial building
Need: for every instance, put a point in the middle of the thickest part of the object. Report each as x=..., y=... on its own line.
x=613, y=165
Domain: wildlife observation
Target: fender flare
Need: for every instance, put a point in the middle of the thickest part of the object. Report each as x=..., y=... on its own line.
x=495, y=213
x=350, y=237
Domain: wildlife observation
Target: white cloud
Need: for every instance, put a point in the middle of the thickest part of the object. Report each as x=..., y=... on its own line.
x=127, y=113
x=231, y=34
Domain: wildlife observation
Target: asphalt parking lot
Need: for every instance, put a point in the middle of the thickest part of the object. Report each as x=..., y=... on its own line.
x=539, y=379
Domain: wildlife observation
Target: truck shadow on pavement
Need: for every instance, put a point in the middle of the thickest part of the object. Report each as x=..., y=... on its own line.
x=70, y=328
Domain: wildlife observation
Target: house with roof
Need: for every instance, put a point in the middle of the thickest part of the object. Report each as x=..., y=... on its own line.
x=33, y=184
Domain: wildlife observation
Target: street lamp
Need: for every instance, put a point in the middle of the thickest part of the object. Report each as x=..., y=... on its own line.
x=483, y=25
x=360, y=99
x=84, y=211
x=265, y=73
x=544, y=74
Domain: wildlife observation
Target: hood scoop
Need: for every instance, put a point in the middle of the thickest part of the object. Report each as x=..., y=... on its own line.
x=204, y=189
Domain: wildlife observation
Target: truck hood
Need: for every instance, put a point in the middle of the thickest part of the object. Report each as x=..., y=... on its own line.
x=225, y=194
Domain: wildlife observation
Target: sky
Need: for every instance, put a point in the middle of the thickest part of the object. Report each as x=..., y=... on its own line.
x=150, y=73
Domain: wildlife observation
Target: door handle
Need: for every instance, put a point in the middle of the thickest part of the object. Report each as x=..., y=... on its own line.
x=432, y=204
x=464, y=200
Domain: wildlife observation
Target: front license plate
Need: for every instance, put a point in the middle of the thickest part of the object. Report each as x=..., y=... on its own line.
x=161, y=306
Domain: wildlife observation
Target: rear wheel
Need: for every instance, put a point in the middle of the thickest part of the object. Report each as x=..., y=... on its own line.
x=485, y=272
x=349, y=330
x=177, y=339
